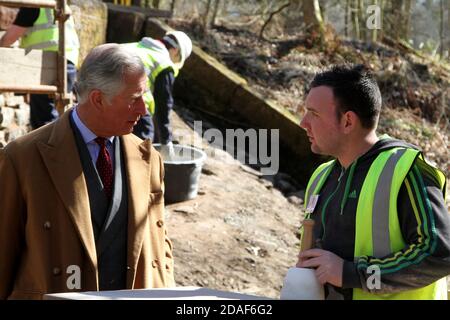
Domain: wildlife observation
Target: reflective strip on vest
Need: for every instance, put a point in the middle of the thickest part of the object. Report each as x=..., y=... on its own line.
x=380, y=220
x=155, y=62
x=44, y=34
x=317, y=180
x=377, y=231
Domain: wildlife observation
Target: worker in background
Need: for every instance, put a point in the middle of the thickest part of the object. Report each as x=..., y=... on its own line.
x=381, y=223
x=37, y=29
x=163, y=59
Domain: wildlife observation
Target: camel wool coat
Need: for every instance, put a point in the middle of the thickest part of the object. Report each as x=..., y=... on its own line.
x=45, y=223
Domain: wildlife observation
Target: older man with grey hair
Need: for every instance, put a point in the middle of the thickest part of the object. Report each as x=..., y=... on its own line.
x=81, y=199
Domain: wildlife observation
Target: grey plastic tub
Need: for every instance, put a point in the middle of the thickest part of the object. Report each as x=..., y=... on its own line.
x=182, y=173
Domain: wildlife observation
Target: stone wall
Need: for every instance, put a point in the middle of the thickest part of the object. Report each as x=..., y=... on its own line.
x=14, y=117
x=91, y=19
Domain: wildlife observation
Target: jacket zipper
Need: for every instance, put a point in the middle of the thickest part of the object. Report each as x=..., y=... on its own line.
x=329, y=199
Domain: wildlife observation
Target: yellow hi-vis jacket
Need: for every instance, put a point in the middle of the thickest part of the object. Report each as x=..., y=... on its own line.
x=155, y=58
x=378, y=232
x=44, y=35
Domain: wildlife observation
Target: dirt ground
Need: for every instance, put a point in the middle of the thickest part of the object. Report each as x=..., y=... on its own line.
x=240, y=233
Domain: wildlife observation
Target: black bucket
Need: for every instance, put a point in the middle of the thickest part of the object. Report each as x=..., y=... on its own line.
x=182, y=173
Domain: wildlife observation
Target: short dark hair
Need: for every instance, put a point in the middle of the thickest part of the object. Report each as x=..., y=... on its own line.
x=355, y=89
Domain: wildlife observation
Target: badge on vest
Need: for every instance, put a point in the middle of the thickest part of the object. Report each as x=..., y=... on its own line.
x=312, y=203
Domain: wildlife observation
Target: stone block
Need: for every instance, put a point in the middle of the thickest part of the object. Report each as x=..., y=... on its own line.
x=14, y=101
x=22, y=116
x=2, y=139
x=6, y=117
x=14, y=132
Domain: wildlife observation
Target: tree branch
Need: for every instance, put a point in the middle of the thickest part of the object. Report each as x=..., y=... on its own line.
x=287, y=4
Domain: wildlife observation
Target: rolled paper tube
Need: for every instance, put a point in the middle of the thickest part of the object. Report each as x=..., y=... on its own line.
x=307, y=236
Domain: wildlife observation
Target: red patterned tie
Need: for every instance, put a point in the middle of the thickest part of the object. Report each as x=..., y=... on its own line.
x=104, y=166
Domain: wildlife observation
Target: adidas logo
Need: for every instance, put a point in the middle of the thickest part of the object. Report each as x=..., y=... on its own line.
x=352, y=194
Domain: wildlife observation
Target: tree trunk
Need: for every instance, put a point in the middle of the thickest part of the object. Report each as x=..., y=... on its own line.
x=362, y=19
x=375, y=30
x=441, y=30
x=448, y=30
x=313, y=17
x=214, y=16
x=381, y=31
x=397, y=15
x=205, y=17
x=355, y=20
x=172, y=7
x=406, y=20
x=347, y=11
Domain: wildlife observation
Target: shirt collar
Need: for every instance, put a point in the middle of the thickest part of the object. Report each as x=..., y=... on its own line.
x=86, y=133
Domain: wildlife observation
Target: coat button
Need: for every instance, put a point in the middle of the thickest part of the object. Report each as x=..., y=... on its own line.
x=155, y=263
x=128, y=268
x=56, y=271
x=159, y=223
x=47, y=225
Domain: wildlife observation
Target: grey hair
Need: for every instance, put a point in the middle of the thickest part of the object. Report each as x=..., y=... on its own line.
x=103, y=69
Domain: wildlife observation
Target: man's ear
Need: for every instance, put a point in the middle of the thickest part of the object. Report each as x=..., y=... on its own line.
x=349, y=120
x=97, y=99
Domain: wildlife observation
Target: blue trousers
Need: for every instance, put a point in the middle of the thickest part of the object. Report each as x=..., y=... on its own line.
x=42, y=107
x=144, y=128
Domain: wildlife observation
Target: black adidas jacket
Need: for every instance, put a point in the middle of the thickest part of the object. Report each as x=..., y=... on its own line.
x=427, y=234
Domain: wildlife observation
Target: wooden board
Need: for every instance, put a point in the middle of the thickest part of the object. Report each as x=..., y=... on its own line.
x=177, y=293
x=29, y=3
x=19, y=67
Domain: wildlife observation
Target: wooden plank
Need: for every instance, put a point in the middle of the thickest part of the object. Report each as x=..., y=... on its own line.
x=29, y=4
x=29, y=89
x=19, y=67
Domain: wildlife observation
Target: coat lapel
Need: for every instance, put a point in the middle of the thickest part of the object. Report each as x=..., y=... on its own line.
x=137, y=163
x=62, y=160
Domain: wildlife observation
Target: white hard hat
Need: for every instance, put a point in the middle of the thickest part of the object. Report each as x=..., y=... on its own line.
x=185, y=45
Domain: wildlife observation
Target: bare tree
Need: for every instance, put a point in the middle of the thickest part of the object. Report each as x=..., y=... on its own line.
x=206, y=14
x=448, y=29
x=271, y=15
x=361, y=20
x=215, y=11
x=173, y=3
x=406, y=20
x=375, y=30
x=347, y=12
x=313, y=18
x=441, y=29
x=397, y=19
x=355, y=20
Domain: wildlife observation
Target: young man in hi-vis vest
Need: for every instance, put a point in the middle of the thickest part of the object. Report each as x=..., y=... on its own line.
x=37, y=29
x=163, y=59
x=382, y=229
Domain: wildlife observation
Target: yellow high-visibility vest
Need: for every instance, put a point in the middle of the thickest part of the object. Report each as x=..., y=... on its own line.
x=44, y=35
x=378, y=230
